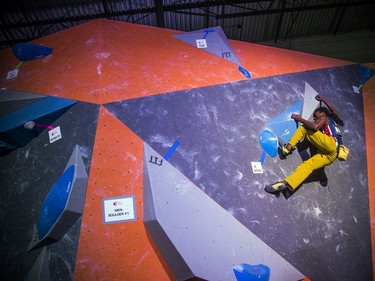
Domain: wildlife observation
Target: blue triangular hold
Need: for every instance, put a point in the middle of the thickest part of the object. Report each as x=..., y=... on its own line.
x=283, y=125
x=269, y=142
x=248, y=272
x=366, y=73
x=28, y=51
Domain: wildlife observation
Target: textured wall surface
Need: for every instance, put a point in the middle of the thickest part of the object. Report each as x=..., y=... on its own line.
x=219, y=127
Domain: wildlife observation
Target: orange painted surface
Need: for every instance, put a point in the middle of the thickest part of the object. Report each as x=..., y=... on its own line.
x=165, y=64
x=369, y=112
x=104, y=61
x=263, y=61
x=119, y=251
x=70, y=71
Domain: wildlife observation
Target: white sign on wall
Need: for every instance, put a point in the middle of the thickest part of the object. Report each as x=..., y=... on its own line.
x=118, y=209
x=54, y=134
x=257, y=167
x=11, y=74
x=201, y=43
x=356, y=90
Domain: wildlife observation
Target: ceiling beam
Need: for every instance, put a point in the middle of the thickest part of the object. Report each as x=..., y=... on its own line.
x=295, y=9
x=159, y=9
x=341, y=17
x=281, y=17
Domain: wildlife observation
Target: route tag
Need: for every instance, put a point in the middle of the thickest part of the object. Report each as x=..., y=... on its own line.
x=201, y=43
x=355, y=89
x=54, y=134
x=12, y=74
x=257, y=167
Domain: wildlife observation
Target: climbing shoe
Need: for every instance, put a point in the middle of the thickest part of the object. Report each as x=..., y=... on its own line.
x=284, y=152
x=275, y=188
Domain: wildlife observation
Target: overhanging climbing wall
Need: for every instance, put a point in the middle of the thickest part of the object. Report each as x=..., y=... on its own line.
x=140, y=93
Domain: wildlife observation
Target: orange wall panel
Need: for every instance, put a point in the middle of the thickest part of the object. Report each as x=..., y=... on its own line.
x=116, y=251
x=71, y=70
x=369, y=113
x=105, y=60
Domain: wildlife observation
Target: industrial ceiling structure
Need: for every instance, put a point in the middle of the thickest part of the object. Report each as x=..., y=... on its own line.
x=270, y=22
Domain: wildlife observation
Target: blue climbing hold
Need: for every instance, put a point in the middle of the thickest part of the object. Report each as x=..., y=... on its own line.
x=269, y=142
x=247, y=272
x=28, y=51
x=207, y=31
x=55, y=202
x=366, y=73
x=171, y=150
x=244, y=72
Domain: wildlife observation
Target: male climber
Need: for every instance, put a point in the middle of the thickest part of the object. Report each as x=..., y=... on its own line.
x=322, y=134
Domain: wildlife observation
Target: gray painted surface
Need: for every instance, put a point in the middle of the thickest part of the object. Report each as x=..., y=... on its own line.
x=27, y=174
x=40, y=269
x=12, y=100
x=208, y=238
x=12, y=95
x=216, y=42
x=323, y=232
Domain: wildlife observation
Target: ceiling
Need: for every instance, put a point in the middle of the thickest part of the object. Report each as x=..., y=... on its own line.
x=280, y=23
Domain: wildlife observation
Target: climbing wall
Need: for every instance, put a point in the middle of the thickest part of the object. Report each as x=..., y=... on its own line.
x=167, y=134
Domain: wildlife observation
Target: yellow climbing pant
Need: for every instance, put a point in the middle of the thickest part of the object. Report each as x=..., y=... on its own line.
x=327, y=152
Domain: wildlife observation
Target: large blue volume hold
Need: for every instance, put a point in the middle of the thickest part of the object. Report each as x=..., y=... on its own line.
x=28, y=51
x=55, y=202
